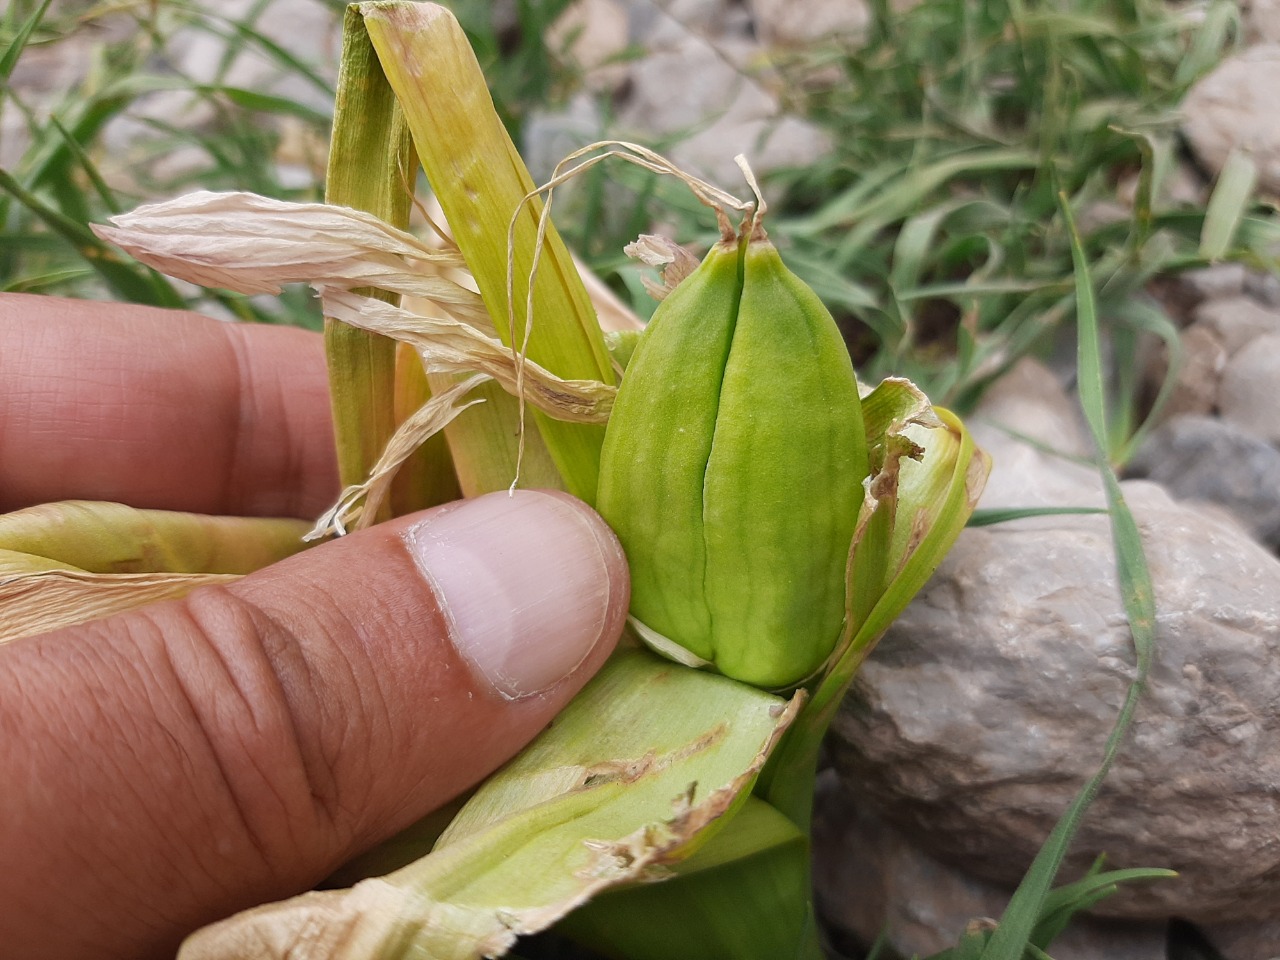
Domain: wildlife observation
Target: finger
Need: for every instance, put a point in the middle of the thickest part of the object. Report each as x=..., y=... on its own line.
x=170, y=766
x=161, y=409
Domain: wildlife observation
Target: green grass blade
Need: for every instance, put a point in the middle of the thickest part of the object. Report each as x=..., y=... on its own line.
x=100, y=185
x=1065, y=902
x=268, y=103
x=988, y=518
x=1017, y=925
x=135, y=285
x=13, y=52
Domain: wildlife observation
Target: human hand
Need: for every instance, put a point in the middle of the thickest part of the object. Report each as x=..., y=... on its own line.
x=176, y=763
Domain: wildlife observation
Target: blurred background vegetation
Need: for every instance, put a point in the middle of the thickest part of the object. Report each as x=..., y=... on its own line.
x=931, y=227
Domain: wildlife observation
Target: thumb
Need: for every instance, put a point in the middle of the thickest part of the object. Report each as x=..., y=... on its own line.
x=169, y=766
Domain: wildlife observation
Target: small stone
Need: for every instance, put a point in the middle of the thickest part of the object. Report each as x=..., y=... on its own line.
x=1263, y=287
x=869, y=877
x=1237, y=320
x=689, y=88
x=800, y=22
x=1030, y=402
x=1234, y=107
x=1196, y=387
x=593, y=35
x=1248, y=395
x=1262, y=22
x=1204, y=458
x=551, y=135
x=1216, y=282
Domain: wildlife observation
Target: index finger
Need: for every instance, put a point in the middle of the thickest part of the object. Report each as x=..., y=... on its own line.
x=161, y=409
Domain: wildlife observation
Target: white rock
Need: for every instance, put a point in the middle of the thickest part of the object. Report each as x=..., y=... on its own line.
x=1234, y=106
x=1237, y=320
x=1029, y=401
x=800, y=22
x=691, y=90
x=593, y=35
x=1262, y=21
x=1249, y=394
x=1217, y=281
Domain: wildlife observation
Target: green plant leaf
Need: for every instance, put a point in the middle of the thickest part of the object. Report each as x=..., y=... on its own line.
x=988, y=518
x=481, y=181
x=13, y=52
x=742, y=896
x=1227, y=206
x=634, y=776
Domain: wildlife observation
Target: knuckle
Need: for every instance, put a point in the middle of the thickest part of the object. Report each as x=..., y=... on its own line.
x=258, y=709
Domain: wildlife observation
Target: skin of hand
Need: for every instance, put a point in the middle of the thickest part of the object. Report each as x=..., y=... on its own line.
x=171, y=765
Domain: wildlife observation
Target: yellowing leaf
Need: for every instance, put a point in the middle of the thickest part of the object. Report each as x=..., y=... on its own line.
x=635, y=773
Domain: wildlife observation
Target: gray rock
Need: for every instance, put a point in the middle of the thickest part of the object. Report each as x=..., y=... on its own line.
x=1204, y=458
x=987, y=705
x=1029, y=401
x=1247, y=941
x=1234, y=107
x=869, y=877
x=1248, y=395
x=689, y=86
x=551, y=135
x=1238, y=320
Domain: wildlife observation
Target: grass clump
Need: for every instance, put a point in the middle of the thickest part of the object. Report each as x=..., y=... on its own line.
x=934, y=224
x=133, y=125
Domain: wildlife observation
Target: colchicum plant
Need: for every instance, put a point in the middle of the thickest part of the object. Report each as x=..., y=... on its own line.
x=777, y=516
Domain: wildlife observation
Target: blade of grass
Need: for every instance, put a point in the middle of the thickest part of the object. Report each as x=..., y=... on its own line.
x=987, y=518
x=1013, y=935
x=137, y=286
x=100, y=186
x=13, y=52
x=1228, y=204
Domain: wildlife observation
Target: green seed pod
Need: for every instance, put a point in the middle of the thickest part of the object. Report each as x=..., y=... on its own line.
x=732, y=469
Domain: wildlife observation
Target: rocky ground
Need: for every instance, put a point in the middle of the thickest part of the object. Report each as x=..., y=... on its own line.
x=987, y=705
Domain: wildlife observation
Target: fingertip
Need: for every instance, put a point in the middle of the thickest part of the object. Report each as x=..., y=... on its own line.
x=533, y=586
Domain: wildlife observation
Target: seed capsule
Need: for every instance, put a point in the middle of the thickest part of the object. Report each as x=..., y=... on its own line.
x=732, y=469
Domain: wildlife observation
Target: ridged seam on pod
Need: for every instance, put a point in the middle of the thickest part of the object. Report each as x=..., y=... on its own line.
x=732, y=468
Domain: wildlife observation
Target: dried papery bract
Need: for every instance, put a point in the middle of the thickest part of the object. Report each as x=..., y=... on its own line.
x=673, y=261
x=362, y=500
x=39, y=601
x=447, y=346
x=253, y=244
x=77, y=560
x=218, y=239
